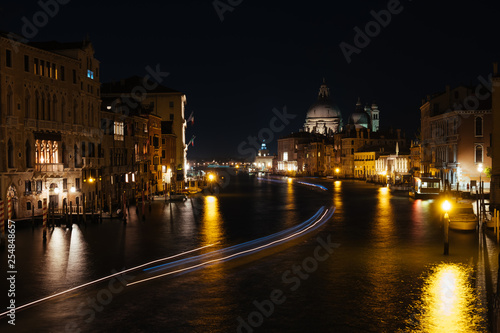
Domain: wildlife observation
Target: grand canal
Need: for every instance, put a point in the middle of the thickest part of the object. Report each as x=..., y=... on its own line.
x=376, y=265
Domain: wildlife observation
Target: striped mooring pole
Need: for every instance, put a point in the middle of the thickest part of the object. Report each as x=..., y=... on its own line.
x=44, y=211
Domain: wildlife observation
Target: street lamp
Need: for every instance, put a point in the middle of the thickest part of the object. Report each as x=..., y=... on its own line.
x=446, y=206
x=337, y=170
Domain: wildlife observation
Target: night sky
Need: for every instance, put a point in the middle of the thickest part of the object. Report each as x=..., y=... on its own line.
x=274, y=54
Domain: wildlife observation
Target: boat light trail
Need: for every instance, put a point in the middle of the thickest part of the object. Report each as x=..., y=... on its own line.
x=326, y=214
x=105, y=278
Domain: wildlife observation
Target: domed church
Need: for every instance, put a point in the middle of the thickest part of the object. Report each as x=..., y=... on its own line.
x=364, y=117
x=323, y=116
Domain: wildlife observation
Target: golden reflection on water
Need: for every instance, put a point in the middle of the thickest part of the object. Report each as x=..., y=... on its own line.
x=212, y=221
x=449, y=302
x=384, y=218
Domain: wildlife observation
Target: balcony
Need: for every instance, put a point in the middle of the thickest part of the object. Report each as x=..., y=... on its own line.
x=11, y=121
x=92, y=162
x=49, y=167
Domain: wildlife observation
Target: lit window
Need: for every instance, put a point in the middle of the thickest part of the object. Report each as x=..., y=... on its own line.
x=285, y=156
x=90, y=74
x=118, y=131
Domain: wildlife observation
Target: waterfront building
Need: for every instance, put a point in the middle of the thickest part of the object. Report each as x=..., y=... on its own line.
x=49, y=124
x=456, y=126
x=415, y=153
x=167, y=103
x=263, y=160
x=495, y=141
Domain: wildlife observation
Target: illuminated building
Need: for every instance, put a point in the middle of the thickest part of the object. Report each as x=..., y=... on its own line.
x=264, y=161
x=49, y=123
x=323, y=117
x=167, y=103
x=456, y=126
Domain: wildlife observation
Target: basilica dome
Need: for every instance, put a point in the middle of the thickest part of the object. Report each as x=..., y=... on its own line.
x=323, y=117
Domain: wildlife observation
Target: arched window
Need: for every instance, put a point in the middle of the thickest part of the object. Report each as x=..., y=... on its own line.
x=10, y=154
x=63, y=155
x=27, y=102
x=10, y=102
x=42, y=107
x=55, y=115
x=37, y=105
x=479, y=154
x=75, y=112
x=28, y=155
x=479, y=126
x=63, y=116
x=49, y=108
x=83, y=149
x=55, y=152
x=37, y=152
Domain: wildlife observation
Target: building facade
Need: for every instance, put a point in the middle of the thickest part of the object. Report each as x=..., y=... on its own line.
x=456, y=138
x=49, y=124
x=168, y=104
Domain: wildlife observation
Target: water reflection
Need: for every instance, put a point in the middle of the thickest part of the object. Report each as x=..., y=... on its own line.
x=449, y=303
x=212, y=221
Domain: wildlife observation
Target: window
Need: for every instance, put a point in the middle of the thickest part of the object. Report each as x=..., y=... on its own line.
x=118, y=130
x=156, y=141
x=90, y=74
x=171, y=104
x=171, y=116
x=77, y=183
x=62, y=74
x=28, y=205
x=479, y=126
x=54, y=71
x=35, y=66
x=27, y=186
x=479, y=154
x=65, y=184
x=145, y=128
x=39, y=204
x=10, y=154
x=39, y=188
x=163, y=154
x=285, y=156
x=42, y=67
x=74, y=76
x=26, y=63
x=8, y=58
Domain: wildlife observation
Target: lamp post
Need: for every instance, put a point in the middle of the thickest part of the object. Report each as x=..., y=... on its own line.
x=479, y=206
x=210, y=180
x=446, y=206
x=337, y=170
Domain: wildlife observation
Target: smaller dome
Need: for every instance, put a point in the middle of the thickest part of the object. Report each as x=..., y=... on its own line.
x=359, y=117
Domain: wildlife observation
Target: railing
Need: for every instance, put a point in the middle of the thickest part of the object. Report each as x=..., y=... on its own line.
x=49, y=167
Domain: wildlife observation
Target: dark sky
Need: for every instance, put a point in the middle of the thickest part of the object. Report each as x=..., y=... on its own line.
x=272, y=54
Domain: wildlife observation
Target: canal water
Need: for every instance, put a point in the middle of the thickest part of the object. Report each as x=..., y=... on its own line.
x=376, y=266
